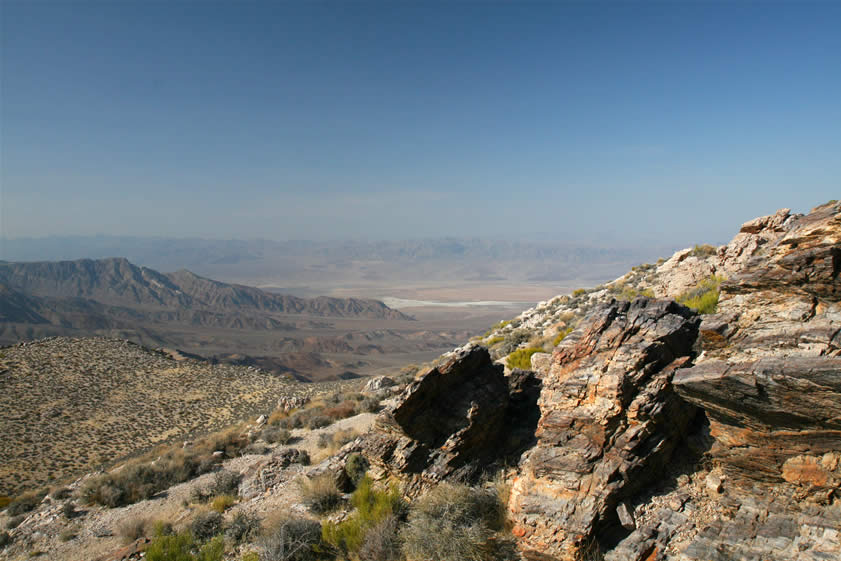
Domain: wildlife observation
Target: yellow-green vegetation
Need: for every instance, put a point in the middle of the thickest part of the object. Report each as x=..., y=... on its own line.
x=579, y=292
x=183, y=547
x=704, y=297
x=372, y=507
x=521, y=358
x=320, y=494
x=494, y=340
x=560, y=337
x=496, y=326
x=222, y=503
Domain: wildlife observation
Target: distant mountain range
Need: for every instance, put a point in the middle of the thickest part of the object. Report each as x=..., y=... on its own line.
x=359, y=263
x=116, y=294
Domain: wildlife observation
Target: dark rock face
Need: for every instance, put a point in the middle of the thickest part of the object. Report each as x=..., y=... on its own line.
x=447, y=424
x=610, y=421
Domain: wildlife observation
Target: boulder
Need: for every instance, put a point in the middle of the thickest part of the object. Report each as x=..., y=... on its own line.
x=609, y=421
x=446, y=424
x=378, y=384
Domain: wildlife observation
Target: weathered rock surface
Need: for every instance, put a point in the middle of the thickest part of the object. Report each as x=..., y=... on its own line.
x=770, y=376
x=609, y=423
x=446, y=424
x=378, y=384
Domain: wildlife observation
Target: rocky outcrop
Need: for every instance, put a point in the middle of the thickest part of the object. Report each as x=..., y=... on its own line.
x=446, y=424
x=609, y=422
x=769, y=377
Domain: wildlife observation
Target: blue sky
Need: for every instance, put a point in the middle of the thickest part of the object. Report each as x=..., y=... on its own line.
x=619, y=122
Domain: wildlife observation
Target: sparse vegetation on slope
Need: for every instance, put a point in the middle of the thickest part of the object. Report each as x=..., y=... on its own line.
x=704, y=297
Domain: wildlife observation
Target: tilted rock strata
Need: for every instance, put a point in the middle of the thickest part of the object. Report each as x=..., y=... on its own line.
x=609, y=422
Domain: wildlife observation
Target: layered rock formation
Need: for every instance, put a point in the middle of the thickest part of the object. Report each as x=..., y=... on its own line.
x=610, y=421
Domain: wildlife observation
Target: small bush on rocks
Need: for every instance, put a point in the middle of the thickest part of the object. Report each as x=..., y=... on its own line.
x=291, y=539
x=5, y=539
x=243, y=527
x=132, y=529
x=453, y=523
x=355, y=468
x=15, y=521
x=206, y=525
x=221, y=503
x=320, y=494
x=275, y=434
x=521, y=358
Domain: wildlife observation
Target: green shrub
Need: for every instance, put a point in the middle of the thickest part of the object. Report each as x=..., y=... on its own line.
x=579, y=292
x=68, y=509
x=372, y=506
x=5, y=539
x=494, y=340
x=521, y=358
x=559, y=337
x=206, y=525
x=453, y=523
x=355, y=468
x=221, y=503
x=180, y=547
x=291, y=539
x=320, y=494
x=704, y=297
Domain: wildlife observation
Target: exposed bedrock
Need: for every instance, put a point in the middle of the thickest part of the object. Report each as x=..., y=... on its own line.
x=610, y=421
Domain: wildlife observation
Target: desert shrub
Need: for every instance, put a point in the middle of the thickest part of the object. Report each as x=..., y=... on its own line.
x=251, y=556
x=558, y=338
x=521, y=358
x=343, y=410
x=4, y=501
x=258, y=448
x=704, y=297
x=355, y=468
x=494, y=340
x=324, y=440
x=382, y=541
x=25, y=502
x=5, y=539
x=291, y=539
x=15, y=521
x=320, y=494
x=372, y=507
x=703, y=250
x=496, y=326
x=221, y=503
x=369, y=404
x=225, y=483
x=180, y=547
x=243, y=527
x=579, y=292
x=206, y=525
x=453, y=523
x=318, y=422
x=61, y=493
x=67, y=534
x=275, y=434
x=68, y=509
x=624, y=292
x=132, y=529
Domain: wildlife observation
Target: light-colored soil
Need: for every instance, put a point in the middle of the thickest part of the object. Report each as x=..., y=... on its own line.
x=69, y=405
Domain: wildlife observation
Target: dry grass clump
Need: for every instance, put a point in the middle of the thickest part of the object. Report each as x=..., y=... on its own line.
x=291, y=539
x=206, y=524
x=26, y=502
x=320, y=494
x=221, y=503
x=704, y=297
x=133, y=528
x=453, y=523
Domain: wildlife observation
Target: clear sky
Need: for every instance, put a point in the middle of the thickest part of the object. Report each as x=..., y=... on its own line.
x=610, y=121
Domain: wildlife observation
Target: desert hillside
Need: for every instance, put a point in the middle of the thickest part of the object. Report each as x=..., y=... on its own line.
x=686, y=411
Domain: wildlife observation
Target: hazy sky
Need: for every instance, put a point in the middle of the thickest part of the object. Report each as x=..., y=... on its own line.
x=627, y=121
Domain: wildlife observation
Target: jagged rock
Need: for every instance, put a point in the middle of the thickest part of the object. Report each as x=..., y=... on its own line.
x=378, y=384
x=271, y=472
x=769, y=377
x=609, y=422
x=446, y=424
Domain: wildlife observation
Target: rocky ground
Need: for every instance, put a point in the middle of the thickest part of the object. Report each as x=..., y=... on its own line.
x=649, y=432
x=72, y=404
